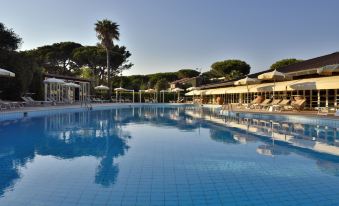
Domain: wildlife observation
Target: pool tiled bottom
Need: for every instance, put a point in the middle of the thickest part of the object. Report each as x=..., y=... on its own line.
x=154, y=160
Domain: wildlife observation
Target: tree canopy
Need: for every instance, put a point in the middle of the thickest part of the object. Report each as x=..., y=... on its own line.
x=284, y=62
x=57, y=58
x=187, y=73
x=26, y=70
x=230, y=69
x=64, y=58
x=162, y=84
x=9, y=40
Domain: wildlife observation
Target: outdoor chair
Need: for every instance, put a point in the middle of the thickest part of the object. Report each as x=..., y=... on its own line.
x=113, y=100
x=263, y=104
x=296, y=105
x=255, y=102
x=181, y=100
x=5, y=105
x=280, y=106
x=273, y=104
x=11, y=105
x=32, y=102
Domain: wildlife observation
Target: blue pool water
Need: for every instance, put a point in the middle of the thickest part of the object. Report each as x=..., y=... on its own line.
x=167, y=156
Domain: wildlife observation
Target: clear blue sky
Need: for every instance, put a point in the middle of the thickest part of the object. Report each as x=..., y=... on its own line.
x=167, y=35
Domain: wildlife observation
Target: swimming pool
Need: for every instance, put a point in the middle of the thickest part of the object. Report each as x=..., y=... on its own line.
x=167, y=155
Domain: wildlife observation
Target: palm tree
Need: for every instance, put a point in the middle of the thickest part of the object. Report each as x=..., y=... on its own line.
x=107, y=31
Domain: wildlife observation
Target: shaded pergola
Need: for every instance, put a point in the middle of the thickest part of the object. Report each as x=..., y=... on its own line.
x=149, y=91
x=54, y=90
x=60, y=88
x=120, y=89
x=178, y=90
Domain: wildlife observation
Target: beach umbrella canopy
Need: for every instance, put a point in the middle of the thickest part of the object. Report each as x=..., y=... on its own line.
x=150, y=90
x=191, y=88
x=120, y=89
x=54, y=80
x=101, y=87
x=6, y=73
x=328, y=69
x=70, y=84
x=247, y=81
x=177, y=90
x=273, y=75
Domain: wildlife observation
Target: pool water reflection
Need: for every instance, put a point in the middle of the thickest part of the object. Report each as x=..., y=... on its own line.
x=166, y=156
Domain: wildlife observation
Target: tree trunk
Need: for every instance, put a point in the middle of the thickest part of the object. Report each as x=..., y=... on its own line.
x=109, y=74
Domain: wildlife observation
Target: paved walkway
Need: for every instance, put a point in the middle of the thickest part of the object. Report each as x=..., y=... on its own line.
x=94, y=105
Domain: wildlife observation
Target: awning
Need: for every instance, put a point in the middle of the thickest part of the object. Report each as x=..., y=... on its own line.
x=331, y=82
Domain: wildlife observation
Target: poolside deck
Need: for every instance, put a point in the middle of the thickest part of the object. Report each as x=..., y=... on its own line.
x=310, y=113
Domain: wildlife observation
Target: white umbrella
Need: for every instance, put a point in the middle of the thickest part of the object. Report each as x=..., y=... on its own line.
x=70, y=84
x=54, y=80
x=150, y=90
x=191, y=88
x=177, y=90
x=101, y=87
x=273, y=75
x=6, y=73
x=120, y=89
x=246, y=81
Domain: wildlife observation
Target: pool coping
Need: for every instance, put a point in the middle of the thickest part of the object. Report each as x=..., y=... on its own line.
x=40, y=110
x=43, y=110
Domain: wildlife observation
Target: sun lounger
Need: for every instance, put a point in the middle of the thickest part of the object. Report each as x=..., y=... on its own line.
x=5, y=105
x=113, y=100
x=31, y=101
x=255, y=102
x=11, y=105
x=283, y=103
x=264, y=104
x=271, y=105
x=296, y=105
x=181, y=100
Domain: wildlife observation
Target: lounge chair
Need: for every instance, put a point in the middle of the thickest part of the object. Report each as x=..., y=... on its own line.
x=113, y=100
x=296, y=105
x=147, y=101
x=181, y=100
x=11, y=105
x=281, y=105
x=5, y=105
x=255, y=102
x=127, y=100
x=263, y=104
x=271, y=105
x=31, y=101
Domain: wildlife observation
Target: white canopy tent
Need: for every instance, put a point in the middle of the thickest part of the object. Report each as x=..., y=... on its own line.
x=163, y=94
x=178, y=90
x=53, y=89
x=101, y=87
x=120, y=89
x=6, y=73
x=70, y=91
